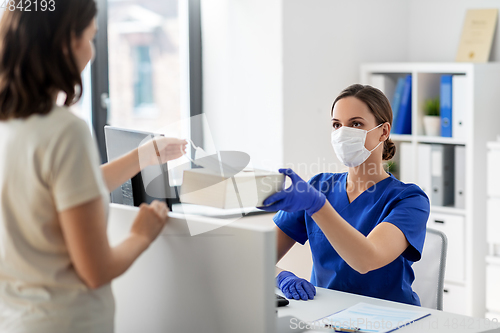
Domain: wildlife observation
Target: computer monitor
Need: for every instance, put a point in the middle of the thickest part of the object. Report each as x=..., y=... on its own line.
x=120, y=141
x=221, y=281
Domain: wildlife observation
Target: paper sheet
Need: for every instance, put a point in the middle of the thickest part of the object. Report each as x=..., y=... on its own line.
x=373, y=318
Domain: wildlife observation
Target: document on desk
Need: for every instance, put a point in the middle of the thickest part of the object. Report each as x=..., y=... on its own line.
x=364, y=317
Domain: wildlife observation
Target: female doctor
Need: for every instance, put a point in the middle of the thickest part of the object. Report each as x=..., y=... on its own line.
x=365, y=227
x=56, y=264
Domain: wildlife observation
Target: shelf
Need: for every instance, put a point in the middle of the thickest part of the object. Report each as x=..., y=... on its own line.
x=401, y=137
x=448, y=210
x=426, y=139
x=493, y=260
x=436, y=67
x=439, y=139
x=494, y=144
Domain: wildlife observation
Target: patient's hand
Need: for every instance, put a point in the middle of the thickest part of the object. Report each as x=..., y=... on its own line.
x=161, y=150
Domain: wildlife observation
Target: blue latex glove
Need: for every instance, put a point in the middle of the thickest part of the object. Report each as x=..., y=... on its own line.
x=299, y=196
x=295, y=287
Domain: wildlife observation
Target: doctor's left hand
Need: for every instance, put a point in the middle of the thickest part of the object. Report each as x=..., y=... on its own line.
x=161, y=149
x=299, y=196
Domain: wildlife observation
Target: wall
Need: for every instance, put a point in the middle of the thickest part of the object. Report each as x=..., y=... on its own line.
x=436, y=27
x=272, y=68
x=242, y=59
x=324, y=43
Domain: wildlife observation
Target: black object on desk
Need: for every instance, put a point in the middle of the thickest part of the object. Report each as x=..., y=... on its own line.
x=281, y=301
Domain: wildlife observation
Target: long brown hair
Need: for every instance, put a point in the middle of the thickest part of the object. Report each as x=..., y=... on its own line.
x=378, y=104
x=36, y=60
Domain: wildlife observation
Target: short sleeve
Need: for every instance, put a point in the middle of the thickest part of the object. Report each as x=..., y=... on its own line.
x=75, y=174
x=292, y=224
x=410, y=214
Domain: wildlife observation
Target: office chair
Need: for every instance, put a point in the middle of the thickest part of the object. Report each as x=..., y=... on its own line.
x=429, y=270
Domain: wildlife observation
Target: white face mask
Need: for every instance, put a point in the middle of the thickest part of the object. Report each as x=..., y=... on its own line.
x=349, y=145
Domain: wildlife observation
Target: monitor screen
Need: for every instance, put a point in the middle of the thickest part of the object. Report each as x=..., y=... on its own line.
x=120, y=141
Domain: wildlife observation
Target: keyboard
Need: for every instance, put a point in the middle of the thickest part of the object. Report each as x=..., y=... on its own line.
x=281, y=301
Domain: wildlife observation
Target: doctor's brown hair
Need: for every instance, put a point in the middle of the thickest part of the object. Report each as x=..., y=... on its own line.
x=36, y=60
x=378, y=104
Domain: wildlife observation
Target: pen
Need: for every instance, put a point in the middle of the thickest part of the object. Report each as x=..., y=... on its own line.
x=342, y=329
x=157, y=151
x=163, y=170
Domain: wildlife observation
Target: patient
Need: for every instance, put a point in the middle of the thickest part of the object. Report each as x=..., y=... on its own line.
x=56, y=264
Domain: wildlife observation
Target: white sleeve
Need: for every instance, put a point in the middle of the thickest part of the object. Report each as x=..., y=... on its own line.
x=75, y=176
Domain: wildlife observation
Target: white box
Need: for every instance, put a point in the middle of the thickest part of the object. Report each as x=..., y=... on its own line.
x=493, y=221
x=248, y=188
x=384, y=83
x=454, y=299
x=493, y=160
x=493, y=288
x=493, y=316
x=453, y=228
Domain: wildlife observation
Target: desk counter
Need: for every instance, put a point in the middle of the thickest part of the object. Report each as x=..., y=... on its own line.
x=327, y=302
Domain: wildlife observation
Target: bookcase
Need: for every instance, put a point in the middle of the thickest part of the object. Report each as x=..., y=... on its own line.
x=493, y=232
x=465, y=225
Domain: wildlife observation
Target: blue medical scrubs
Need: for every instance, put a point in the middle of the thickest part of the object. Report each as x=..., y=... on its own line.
x=404, y=205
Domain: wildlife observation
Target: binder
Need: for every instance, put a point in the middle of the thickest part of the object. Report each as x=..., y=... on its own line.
x=459, y=106
x=424, y=179
x=460, y=177
x=407, y=163
x=445, y=101
x=443, y=174
x=396, y=100
x=403, y=121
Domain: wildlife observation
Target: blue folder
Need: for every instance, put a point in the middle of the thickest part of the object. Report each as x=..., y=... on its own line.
x=446, y=105
x=396, y=101
x=403, y=120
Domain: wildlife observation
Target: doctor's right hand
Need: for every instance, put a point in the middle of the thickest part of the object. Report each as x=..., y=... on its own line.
x=294, y=287
x=299, y=196
x=150, y=221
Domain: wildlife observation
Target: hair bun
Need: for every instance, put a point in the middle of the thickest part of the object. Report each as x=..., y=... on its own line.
x=389, y=150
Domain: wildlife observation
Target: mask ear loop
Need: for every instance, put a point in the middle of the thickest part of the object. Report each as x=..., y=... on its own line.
x=375, y=128
x=376, y=146
x=380, y=141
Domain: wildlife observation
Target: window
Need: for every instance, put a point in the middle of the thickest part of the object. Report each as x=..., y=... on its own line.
x=143, y=82
x=147, y=74
x=84, y=106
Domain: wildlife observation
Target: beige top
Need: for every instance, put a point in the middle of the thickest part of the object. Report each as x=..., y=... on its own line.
x=47, y=165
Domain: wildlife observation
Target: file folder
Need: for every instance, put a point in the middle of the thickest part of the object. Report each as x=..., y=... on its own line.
x=445, y=101
x=396, y=101
x=460, y=177
x=459, y=106
x=424, y=168
x=384, y=83
x=402, y=124
x=443, y=174
x=407, y=163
